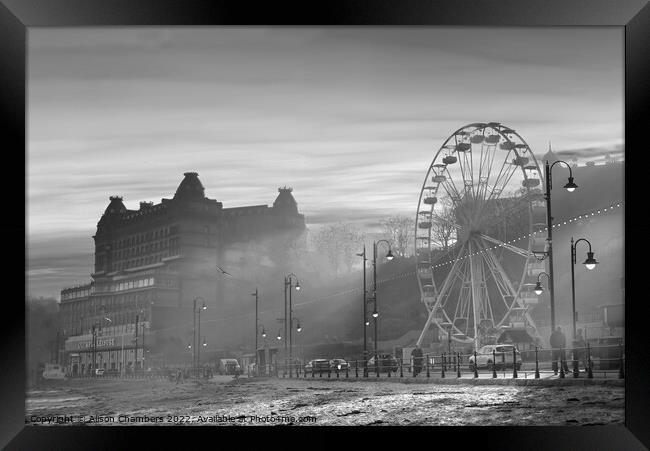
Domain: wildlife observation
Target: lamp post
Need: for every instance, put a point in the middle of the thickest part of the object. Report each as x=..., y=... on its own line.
x=196, y=355
x=365, y=314
x=97, y=326
x=257, y=330
x=570, y=187
x=389, y=257
x=257, y=326
x=288, y=324
x=590, y=263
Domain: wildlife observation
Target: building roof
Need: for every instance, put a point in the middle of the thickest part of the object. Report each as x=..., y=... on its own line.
x=190, y=189
x=115, y=206
x=550, y=156
x=285, y=202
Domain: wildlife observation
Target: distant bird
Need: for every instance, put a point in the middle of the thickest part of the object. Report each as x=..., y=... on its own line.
x=223, y=271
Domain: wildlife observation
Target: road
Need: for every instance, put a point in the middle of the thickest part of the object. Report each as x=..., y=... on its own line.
x=223, y=401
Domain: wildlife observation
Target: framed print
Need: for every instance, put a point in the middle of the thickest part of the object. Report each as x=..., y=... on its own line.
x=443, y=189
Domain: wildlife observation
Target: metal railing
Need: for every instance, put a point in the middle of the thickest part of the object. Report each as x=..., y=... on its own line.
x=599, y=361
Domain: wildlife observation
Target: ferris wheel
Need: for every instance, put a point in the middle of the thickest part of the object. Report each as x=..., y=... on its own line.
x=477, y=228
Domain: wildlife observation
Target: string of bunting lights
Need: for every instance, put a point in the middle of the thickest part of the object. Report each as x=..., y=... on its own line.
x=582, y=216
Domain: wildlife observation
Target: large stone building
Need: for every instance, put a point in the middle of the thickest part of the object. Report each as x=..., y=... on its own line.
x=150, y=265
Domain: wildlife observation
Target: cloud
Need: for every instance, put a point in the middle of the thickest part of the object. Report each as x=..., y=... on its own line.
x=351, y=118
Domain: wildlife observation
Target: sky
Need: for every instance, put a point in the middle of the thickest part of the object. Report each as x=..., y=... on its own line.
x=349, y=117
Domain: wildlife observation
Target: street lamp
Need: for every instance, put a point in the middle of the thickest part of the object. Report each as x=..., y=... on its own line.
x=365, y=313
x=389, y=257
x=590, y=263
x=570, y=187
x=257, y=327
x=196, y=357
x=538, y=286
x=96, y=327
x=288, y=284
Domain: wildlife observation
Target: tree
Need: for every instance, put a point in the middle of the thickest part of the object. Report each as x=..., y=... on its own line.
x=339, y=243
x=399, y=231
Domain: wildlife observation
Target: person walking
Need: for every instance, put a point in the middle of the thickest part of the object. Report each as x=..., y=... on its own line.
x=579, y=349
x=416, y=357
x=558, y=343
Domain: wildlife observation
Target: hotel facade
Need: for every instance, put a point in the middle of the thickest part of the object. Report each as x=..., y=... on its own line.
x=150, y=266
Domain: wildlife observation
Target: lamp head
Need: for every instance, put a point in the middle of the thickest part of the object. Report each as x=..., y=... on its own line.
x=299, y=329
x=538, y=288
x=367, y=323
x=375, y=314
x=204, y=307
x=590, y=263
x=263, y=333
x=205, y=343
x=279, y=337
x=570, y=186
x=297, y=286
x=389, y=256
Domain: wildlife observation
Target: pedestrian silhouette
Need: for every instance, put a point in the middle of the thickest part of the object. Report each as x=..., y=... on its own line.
x=416, y=356
x=579, y=352
x=558, y=345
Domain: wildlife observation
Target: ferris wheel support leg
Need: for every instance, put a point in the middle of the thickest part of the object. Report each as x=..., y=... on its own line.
x=441, y=294
x=476, y=301
x=425, y=329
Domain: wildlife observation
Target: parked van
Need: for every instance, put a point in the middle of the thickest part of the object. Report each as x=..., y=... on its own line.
x=53, y=371
x=229, y=366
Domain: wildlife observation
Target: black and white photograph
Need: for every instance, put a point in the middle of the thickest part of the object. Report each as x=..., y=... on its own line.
x=323, y=226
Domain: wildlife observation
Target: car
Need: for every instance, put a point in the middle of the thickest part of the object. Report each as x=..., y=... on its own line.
x=99, y=371
x=53, y=371
x=385, y=363
x=318, y=366
x=486, y=354
x=339, y=364
x=229, y=366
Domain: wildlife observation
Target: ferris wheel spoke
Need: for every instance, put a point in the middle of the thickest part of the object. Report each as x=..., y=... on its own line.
x=506, y=172
x=514, y=293
x=469, y=164
x=517, y=250
x=502, y=286
x=453, y=193
x=485, y=168
x=452, y=185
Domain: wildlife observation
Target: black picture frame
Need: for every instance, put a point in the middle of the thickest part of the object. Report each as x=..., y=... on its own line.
x=16, y=16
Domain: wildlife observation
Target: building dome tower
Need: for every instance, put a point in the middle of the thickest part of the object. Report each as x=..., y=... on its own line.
x=285, y=203
x=190, y=189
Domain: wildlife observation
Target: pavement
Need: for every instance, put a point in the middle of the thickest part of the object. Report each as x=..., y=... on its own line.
x=321, y=401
